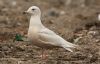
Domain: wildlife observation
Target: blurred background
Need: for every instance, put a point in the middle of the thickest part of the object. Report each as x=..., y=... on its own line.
x=75, y=20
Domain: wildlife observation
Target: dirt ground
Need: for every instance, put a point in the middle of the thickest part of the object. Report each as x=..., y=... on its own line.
x=76, y=24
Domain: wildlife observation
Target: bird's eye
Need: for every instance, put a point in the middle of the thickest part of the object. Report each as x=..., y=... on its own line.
x=33, y=9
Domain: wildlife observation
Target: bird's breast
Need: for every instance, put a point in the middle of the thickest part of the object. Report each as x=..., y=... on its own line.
x=33, y=33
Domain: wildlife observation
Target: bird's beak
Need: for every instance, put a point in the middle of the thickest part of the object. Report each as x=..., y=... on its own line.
x=25, y=12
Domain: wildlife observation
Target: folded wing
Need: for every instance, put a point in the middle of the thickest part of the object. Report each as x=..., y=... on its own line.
x=49, y=37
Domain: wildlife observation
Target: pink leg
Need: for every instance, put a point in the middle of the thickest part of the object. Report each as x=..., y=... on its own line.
x=44, y=54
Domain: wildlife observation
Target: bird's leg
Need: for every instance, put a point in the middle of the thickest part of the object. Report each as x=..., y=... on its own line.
x=44, y=54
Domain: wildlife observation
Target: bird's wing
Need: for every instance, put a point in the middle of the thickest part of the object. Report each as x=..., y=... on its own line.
x=49, y=37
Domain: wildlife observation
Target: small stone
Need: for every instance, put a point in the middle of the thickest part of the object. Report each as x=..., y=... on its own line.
x=62, y=12
x=5, y=48
x=94, y=33
x=53, y=12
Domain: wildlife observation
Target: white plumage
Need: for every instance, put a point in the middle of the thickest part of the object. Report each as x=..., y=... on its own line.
x=41, y=36
x=98, y=17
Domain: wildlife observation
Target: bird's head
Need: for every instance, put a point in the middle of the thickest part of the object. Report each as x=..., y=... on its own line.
x=33, y=10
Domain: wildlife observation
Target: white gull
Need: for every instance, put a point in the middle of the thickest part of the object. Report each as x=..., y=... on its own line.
x=41, y=36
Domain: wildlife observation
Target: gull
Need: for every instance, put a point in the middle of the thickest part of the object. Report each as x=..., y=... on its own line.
x=43, y=37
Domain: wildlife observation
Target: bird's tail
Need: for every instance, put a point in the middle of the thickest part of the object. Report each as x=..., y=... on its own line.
x=69, y=46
